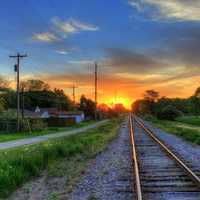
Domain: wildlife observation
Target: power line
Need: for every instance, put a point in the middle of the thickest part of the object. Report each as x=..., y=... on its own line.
x=16, y=68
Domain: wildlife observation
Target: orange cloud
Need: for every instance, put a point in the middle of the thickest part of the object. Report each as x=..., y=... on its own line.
x=128, y=88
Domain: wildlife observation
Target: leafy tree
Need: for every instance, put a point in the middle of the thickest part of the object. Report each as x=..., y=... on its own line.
x=63, y=102
x=141, y=107
x=46, y=99
x=119, y=108
x=88, y=107
x=197, y=92
x=35, y=85
x=4, y=84
x=169, y=113
x=2, y=104
x=194, y=105
x=180, y=104
x=151, y=95
x=9, y=98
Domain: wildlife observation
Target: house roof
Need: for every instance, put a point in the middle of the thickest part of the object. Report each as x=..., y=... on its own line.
x=31, y=114
x=49, y=110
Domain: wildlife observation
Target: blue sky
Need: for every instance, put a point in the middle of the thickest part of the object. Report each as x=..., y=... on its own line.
x=138, y=44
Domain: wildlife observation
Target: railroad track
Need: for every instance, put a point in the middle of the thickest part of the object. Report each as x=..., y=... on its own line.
x=159, y=174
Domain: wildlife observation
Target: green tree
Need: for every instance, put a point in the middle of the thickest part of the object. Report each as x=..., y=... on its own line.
x=141, y=106
x=169, y=113
x=194, y=105
x=4, y=84
x=35, y=85
x=197, y=92
x=2, y=105
x=151, y=96
x=63, y=102
x=88, y=107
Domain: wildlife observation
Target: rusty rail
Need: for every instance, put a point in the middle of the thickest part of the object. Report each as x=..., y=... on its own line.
x=135, y=161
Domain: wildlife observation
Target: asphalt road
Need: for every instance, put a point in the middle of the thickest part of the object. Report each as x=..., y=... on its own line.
x=38, y=139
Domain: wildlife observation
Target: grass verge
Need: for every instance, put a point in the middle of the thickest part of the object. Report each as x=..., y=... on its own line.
x=192, y=120
x=183, y=130
x=21, y=164
x=5, y=137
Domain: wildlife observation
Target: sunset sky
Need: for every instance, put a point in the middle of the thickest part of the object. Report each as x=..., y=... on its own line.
x=139, y=45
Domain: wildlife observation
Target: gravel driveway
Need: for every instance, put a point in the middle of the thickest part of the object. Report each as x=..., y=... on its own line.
x=108, y=178
x=37, y=139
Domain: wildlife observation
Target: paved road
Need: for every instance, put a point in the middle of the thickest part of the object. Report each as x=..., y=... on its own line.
x=37, y=139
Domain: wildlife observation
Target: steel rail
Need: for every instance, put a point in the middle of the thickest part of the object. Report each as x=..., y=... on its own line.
x=135, y=161
x=188, y=171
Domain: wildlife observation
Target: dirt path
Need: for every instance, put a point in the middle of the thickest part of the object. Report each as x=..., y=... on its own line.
x=33, y=140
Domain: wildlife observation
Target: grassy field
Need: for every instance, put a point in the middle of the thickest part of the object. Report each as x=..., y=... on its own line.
x=193, y=120
x=4, y=137
x=21, y=164
x=183, y=127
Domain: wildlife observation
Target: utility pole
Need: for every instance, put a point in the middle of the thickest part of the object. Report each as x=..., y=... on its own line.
x=96, y=66
x=22, y=104
x=95, y=83
x=16, y=68
x=115, y=96
x=74, y=93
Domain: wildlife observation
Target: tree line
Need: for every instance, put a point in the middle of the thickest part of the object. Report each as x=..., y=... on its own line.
x=35, y=93
x=167, y=108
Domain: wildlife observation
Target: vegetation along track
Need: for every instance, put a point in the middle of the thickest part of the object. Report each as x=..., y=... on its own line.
x=158, y=173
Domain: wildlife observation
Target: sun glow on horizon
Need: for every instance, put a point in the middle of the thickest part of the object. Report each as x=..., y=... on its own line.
x=120, y=100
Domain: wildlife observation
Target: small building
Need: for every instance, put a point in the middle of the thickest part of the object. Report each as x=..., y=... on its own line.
x=46, y=113
x=78, y=115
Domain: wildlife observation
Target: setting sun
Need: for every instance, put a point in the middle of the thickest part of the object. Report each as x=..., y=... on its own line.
x=120, y=100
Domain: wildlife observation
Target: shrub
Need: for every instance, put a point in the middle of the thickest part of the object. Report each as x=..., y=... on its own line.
x=38, y=124
x=148, y=117
x=169, y=113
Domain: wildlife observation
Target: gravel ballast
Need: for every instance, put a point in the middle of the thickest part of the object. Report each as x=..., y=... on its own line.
x=188, y=151
x=108, y=178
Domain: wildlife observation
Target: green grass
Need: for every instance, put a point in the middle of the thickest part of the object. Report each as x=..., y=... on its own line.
x=4, y=137
x=193, y=120
x=186, y=131
x=21, y=164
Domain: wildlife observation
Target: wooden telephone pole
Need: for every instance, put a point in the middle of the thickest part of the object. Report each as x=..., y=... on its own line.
x=17, y=66
x=96, y=79
x=74, y=93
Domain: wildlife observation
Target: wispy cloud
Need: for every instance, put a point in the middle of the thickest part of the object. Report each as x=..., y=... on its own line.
x=62, y=52
x=62, y=29
x=72, y=26
x=84, y=26
x=81, y=62
x=45, y=37
x=179, y=10
x=135, y=4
